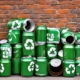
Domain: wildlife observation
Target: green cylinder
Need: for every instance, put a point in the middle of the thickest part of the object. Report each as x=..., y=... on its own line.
x=77, y=67
x=53, y=35
x=41, y=66
x=5, y=67
x=77, y=37
x=16, y=66
x=41, y=32
x=69, y=68
x=68, y=52
x=27, y=66
x=28, y=39
x=51, y=51
x=17, y=51
x=68, y=38
x=21, y=24
x=6, y=51
x=13, y=36
x=40, y=50
x=60, y=55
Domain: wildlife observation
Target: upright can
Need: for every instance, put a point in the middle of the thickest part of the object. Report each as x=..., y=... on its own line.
x=77, y=52
x=13, y=36
x=16, y=66
x=41, y=66
x=28, y=40
x=41, y=32
x=68, y=52
x=69, y=68
x=51, y=51
x=17, y=51
x=27, y=66
x=6, y=51
x=5, y=67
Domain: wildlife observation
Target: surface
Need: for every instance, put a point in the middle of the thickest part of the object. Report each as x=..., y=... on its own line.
x=39, y=78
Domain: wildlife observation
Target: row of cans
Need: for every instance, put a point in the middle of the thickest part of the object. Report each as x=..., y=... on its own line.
x=28, y=66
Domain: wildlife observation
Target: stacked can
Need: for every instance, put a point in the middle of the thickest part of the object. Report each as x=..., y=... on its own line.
x=68, y=39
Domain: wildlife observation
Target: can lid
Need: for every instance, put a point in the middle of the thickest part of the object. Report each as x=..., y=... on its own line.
x=41, y=27
x=69, y=46
x=3, y=41
x=69, y=61
x=41, y=59
x=18, y=45
x=28, y=33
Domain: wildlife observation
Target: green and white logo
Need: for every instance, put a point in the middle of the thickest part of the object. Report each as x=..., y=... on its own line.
x=52, y=52
x=1, y=68
x=31, y=66
x=50, y=37
x=37, y=67
x=70, y=69
x=29, y=45
x=16, y=24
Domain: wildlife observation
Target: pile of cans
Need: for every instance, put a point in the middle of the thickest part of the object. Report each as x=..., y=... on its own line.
x=39, y=51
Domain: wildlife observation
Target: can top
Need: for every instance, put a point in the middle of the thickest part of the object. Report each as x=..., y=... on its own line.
x=4, y=60
x=28, y=33
x=68, y=46
x=5, y=45
x=51, y=45
x=41, y=28
x=77, y=46
x=41, y=59
x=69, y=61
x=18, y=46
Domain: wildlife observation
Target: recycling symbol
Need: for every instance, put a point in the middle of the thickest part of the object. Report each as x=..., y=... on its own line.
x=31, y=66
x=50, y=52
x=37, y=67
x=71, y=66
x=1, y=68
x=50, y=37
x=16, y=24
x=27, y=46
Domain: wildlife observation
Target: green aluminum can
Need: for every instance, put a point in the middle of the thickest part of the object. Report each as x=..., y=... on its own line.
x=6, y=51
x=41, y=66
x=27, y=66
x=28, y=40
x=77, y=67
x=21, y=24
x=40, y=50
x=53, y=35
x=51, y=51
x=17, y=51
x=5, y=67
x=69, y=68
x=60, y=55
x=41, y=32
x=77, y=52
x=68, y=52
x=13, y=36
x=68, y=38
x=16, y=66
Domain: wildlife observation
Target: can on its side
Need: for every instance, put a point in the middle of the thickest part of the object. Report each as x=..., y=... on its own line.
x=41, y=66
x=6, y=51
x=27, y=66
x=69, y=68
x=17, y=51
x=13, y=36
x=28, y=40
x=5, y=67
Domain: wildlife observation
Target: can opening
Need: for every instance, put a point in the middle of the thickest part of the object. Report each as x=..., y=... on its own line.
x=70, y=39
x=28, y=26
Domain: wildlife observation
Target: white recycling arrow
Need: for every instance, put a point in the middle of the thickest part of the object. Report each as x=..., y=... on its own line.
x=1, y=68
x=54, y=50
x=29, y=47
x=37, y=67
x=50, y=37
x=67, y=71
x=18, y=24
x=31, y=66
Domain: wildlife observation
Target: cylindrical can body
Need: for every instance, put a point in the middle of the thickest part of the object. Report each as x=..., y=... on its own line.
x=5, y=67
x=51, y=51
x=68, y=38
x=77, y=67
x=40, y=50
x=28, y=43
x=41, y=32
x=41, y=66
x=27, y=66
x=60, y=55
x=17, y=51
x=77, y=37
x=77, y=52
x=68, y=52
x=53, y=35
x=6, y=51
x=16, y=67
x=69, y=68
x=14, y=36
x=21, y=24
